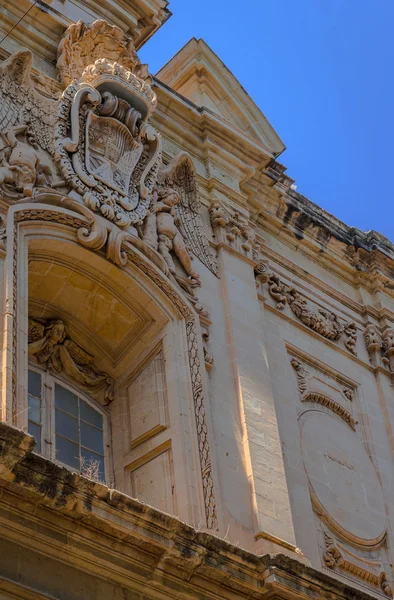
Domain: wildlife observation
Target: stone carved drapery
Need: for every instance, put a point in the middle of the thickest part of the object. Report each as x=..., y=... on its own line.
x=324, y=322
x=51, y=345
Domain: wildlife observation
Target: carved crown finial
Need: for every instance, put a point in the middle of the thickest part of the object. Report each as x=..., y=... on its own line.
x=83, y=44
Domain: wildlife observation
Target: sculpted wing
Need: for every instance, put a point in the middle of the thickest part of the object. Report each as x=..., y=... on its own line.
x=21, y=103
x=180, y=174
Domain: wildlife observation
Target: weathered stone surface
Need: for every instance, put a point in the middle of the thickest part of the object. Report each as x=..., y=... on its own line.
x=201, y=337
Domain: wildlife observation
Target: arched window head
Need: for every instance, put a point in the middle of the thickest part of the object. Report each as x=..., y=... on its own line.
x=67, y=426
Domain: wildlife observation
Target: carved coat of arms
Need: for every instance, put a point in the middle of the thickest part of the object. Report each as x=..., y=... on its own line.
x=111, y=152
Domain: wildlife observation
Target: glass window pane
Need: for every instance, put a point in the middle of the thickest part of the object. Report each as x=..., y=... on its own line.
x=34, y=409
x=66, y=425
x=34, y=384
x=92, y=438
x=35, y=431
x=66, y=400
x=90, y=415
x=92, y=465
x=67, y=452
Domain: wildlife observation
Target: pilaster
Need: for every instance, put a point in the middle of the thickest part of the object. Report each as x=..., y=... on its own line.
x=272, y=520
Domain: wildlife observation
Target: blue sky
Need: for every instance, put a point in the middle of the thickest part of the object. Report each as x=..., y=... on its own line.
x=322, y=73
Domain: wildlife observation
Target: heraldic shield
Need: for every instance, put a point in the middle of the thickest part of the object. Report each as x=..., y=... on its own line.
x=106, y=148
x=111, y=152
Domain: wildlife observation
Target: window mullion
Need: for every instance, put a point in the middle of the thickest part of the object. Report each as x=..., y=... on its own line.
x=50, y=444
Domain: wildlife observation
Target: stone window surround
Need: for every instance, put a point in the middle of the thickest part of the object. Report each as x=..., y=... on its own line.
x=48, y=432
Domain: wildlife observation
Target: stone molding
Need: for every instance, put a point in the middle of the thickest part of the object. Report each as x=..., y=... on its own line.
x=121, y=248
x=309, y=395
x=189, y=557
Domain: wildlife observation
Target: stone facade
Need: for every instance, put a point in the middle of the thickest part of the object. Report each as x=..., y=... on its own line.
x=197, y=363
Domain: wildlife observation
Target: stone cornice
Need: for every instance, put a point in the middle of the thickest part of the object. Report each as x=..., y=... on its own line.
x=146, y=548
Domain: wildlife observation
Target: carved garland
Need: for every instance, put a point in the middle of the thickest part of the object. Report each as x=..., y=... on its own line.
x=191, y=331
x=324, y=322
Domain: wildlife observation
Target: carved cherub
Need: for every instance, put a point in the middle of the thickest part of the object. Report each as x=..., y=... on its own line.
x=169, y=231
x=51, y=345
x=174, y=224
x=20, y=162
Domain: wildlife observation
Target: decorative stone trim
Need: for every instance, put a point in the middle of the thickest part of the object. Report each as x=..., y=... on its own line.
x=121, y=248
x=329, y=403
x=324, y=322
x=333, y=557
x=308, y=395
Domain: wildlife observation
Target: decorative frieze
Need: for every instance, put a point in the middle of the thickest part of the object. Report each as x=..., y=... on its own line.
x=324, y=322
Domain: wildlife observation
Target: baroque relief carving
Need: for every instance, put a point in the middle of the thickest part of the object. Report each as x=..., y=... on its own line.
x=133, y=252
x=105, y=148
x=26, y=113
x=232, y=229
x=336, y=556
x=83, y=44
x=21, y=167
x=380, y=347
x=106, y=159
x=51, y=345
x=318, y=397
x=324, y=322
x=174, y=223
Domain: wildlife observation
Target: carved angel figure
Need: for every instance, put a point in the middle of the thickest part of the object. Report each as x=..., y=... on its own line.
x=169, y=231
x=52, y=347
x=174, y=223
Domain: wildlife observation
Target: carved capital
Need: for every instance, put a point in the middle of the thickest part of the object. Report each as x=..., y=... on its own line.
x=373, y=343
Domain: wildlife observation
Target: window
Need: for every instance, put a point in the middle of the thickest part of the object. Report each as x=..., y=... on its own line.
x=67, y=428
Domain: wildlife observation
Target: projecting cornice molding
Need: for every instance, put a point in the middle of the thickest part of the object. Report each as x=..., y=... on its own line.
x=199, y=75
x=178, y=557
